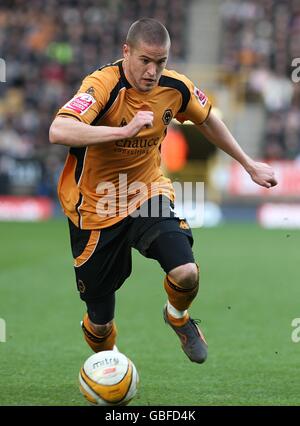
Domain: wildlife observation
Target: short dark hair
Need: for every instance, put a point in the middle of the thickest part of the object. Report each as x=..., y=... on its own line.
x=149, y=31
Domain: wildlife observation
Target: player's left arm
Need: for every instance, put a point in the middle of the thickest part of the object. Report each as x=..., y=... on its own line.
x=217, y=133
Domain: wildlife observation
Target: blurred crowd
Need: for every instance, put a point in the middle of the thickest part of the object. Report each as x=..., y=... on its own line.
x=48, y=47
x=260, y=39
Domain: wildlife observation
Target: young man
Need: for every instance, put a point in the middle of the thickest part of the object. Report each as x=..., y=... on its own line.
x=114, y=127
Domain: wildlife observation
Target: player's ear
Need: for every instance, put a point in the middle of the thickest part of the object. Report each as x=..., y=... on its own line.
x=126, y=50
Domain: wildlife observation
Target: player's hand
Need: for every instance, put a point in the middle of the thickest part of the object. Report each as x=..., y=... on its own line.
x=141, y=120
x=262, y=174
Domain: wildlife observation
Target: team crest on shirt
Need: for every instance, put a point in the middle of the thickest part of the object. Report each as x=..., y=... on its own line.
x=201, y=97
x=81, y=103
x=167, y=116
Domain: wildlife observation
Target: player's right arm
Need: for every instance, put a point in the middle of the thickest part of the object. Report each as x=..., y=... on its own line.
x=71, y=132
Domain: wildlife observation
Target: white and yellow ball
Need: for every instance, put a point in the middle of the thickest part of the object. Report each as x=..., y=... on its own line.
x=108, y=378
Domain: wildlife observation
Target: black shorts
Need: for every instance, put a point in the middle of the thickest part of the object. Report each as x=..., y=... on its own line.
x=103, y=257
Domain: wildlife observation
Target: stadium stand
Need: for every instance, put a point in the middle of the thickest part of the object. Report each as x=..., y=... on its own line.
x=49, y=46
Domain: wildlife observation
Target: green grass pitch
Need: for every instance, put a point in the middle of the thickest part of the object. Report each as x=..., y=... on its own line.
x=248, y=298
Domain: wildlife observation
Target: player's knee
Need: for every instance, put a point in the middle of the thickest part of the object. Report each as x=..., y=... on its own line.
x=186, y=276
x=101, y=329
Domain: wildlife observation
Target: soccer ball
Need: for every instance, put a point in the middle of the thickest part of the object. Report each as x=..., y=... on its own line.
x=108, y=378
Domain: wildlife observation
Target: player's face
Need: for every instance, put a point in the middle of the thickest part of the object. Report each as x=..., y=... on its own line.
x=144, y=65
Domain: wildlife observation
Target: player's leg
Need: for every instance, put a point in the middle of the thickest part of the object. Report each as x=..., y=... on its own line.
x=181, y=282
x=168, y=239
x=98, y=325
x=96, y=254
x=173, y=251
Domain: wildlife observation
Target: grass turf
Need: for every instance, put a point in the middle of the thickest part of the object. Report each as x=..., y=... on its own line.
x=248, y=297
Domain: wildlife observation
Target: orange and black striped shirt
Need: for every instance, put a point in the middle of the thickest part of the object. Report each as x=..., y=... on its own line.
x=100, y=184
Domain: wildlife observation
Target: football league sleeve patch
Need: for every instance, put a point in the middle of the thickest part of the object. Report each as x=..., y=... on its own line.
x=87, y=102
x=80, y=104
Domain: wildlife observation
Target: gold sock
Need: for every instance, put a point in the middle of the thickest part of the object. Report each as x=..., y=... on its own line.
x=179, y=297
x=97, y=342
